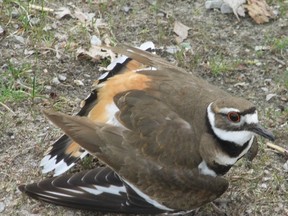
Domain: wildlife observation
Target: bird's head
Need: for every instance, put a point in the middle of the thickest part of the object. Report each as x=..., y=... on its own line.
x=235, y=120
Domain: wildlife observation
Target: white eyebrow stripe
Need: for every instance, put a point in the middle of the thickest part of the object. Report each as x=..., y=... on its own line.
x=226, y=110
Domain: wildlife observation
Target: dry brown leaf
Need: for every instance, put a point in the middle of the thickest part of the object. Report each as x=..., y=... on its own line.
x=95, y=53
x=83, y=17
x=259, y=10
x=80, y=16
x=99, y=23
x=62, y=12
x=181, y=30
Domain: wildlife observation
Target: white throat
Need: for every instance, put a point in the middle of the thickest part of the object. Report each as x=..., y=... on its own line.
x=237, y=137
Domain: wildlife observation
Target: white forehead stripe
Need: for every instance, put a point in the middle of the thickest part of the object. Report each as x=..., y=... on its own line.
x=226, y=110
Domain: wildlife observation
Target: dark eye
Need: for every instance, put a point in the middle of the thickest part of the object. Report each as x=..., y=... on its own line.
x=234, y=116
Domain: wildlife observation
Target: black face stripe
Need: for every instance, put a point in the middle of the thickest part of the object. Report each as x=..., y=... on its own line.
x=231, y=148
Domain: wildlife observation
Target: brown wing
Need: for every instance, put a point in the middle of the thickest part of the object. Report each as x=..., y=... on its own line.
x=157, y=131
x=154, y=152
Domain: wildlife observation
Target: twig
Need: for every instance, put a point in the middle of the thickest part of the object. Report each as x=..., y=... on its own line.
x=40, y=8
x=278, y=60
x=24, y=86
x=278, y=148
x=6, y=107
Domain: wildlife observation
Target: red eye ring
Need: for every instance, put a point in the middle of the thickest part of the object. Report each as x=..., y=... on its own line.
x=234, y=117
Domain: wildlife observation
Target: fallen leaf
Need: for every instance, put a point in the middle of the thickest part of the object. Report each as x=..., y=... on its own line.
x=62, y=12
x=95, y=53
x=171, y=49
x=237, y=7
x=99, y=23
x=270, y=96
x=20, y=39
x=181, y=30
x=83, y=17
x=29, y=52
x=58, y=56
x=80, y=16
x=259, y=11
x=213, y=4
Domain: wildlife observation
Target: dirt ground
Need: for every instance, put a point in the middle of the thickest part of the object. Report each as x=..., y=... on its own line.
x=244, y=58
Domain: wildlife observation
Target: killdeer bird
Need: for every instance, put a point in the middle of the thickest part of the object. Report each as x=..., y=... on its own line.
x=166, y=136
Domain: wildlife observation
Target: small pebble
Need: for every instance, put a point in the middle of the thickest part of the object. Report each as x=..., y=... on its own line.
x=78, y=83
x=261, y=48
x=2, y=206
x=95, y=41
x=264, y=89
x=264, y=186
x=15, y=13
x=48, y=87
x=285, y=166
x=62, y=78
x=258, y=63
x=1, y=30
x=47, y=27
x=29, y=52
x=55, y=81
x=20, y=39
x=34, y=20
x=126, y=9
